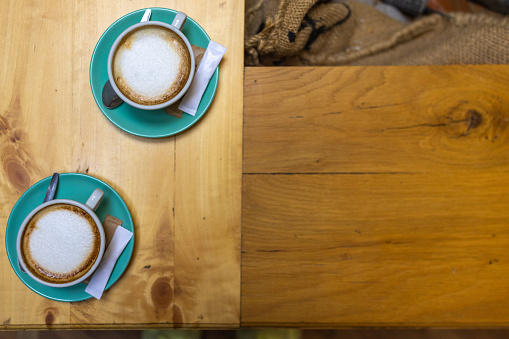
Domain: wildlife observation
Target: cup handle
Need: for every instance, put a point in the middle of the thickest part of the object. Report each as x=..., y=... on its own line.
x=95, y=199
x=179, y=21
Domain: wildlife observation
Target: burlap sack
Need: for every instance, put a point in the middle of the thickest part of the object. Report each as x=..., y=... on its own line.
x=314, y=32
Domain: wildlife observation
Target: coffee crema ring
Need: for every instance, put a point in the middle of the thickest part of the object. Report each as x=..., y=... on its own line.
x=151, y=65
x=60, y=243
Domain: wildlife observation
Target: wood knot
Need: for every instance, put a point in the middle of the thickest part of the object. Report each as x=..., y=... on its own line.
x=475, y=119
x=16, y=136
x=161, y=293
x=17, y=175
x=462, y=122
x=50, y=317
x=480, y=117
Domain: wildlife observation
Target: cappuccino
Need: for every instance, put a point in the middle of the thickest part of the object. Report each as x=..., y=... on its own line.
x=151, y=65
x=60, y=243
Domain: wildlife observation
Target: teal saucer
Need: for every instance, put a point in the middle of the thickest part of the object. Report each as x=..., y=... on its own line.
x=149, y=124
x=77, y=187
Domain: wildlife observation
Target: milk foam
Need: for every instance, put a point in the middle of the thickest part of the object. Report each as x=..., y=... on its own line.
x=61, y=241
x=149, y=62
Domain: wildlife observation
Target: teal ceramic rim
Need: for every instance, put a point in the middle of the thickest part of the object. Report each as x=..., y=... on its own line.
x=206, y=99
x=63, y=294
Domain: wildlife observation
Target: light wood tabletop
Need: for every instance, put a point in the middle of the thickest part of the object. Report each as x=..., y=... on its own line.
x=183, y=191
x=305, y=197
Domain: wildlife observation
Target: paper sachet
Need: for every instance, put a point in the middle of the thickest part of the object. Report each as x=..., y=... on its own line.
x=208, y=65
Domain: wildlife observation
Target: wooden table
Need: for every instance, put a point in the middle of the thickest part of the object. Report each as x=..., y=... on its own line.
x=183, y=192
x=376, y=196
x=335, y=197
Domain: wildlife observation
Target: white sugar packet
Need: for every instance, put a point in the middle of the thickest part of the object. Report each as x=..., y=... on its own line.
x=101, y=275
x=208, y=65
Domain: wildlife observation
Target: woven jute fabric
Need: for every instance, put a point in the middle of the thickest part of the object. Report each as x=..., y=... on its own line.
x=318, y=32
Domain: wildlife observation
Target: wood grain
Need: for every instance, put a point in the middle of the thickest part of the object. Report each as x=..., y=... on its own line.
x=208, y=187
x=375, y=196
x=49, y=122
x=375, y=119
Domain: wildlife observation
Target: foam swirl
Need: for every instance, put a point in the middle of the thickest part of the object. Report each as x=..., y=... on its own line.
x=151, y=65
